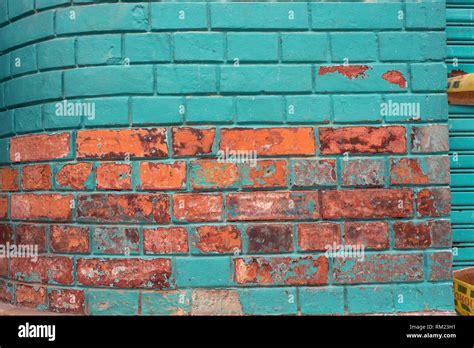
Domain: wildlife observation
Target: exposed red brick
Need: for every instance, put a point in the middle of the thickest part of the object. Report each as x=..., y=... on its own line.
x=3, y=267
x=318, y=236
x=430, y=138
x=195, y=207
x=395, y=77
x=349, y=71
x=165, y=240
x=266, y=173
x=30, y=296
x=53, y=207
x=29, y=234
x=411, y=235
x=212, y=174
x=66, y=301
x=74, y=175
x=270, y=238
x=40, y=147
x=3, y=207
x=45, y=269
x=440, y=266
x=9, y=179
x=433, y=202
x=114, y=176
x=372, y=235
x=418, y=171
x=217, y=239
x=69, y=239
x=6, y=291
x=6, y=233
x=36, y=177
x=116, y=240
x=163, y=176
x=192, y=141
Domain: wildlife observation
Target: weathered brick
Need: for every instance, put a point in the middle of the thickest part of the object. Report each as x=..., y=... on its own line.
x=186, y=79
x=169, y=240
x=6, y=291
x=124, y=273
x=3, y=206
x=36, y=177
x=69, y=239
x=121, y=144
x=440, y=265
x=66, y=301
x=206, y=174
x=116, y=240
x=152, y=208
x=421, y=235
x=362, y=139
x=420, y=171
x=367, y=203
x=272, y=205
x=216, y=302
x=264, y=173
x=114, y=176
x=74, y=176
x=166, y=302
x=194, y=207
x=32, y=296
x=269, y=238
x=31, y=235
x=217, y=239
x=116, y=302
x=9, y=179
x=6, y=233
x=433, y=201
x=192, y=141
x=306, y=270
x=314, y=172
x=372, y=235
x=44, y=269
x=42, y=207
x=318, y=236
x=162, y=176
x=40, y=147
x=252, y=46
x=430, y=138
x=363, y=172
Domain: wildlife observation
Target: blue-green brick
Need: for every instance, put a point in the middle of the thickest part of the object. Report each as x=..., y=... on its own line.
x=99, y=49
x=203, y=271
x=369, y=299
x=209, y=109
x=58, y=53
x=108, y=80
x=428, y=77
x=175, y=302
x=410, y=46
x=33, y=88
x=259, y=16
x=4, y=66
x=460, y=33
x=252, y=46
x=4, y=151
x=28, y=119
x=2, y=96
x=432, y=107
x=3, y=12
x=355, y=47
x=304, y=47
x=268, y=301
x=54, y=120
x=23, y=60
x=260, y=109
x=113, y=302
x=6, y=120
x=43, y=4
x=356, y=108
x=167, y=16
x=308, y=109
x=182, y=79
x=422, y=297
x=321, y=301
x=108, y=112
x=145, y=48
x=157, y=110
x=199, y=47
x=439, y=296
x=426, y=14
x=18, y=8
x=268, y=78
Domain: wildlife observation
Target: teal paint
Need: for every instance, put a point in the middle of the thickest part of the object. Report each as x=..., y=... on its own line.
x=28, y=120
x=203, y=271
x=252, y=46
x=166, y=303
x=356, y=108
x=23, y=60
x=260, y=110
x=199, y=47
x=354, y=47
x=210, y=109
x=145, y=110
x=308, y=109
x=369, y=299
x=99, y=50
x=304, y=47
x=102, y=302
x=106, y=112
x=144, y=48
x=269, y=301
x=56, y=54
x=322, y=300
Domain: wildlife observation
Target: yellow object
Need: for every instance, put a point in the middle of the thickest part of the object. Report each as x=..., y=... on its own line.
x=464, y=291
x=461, y=89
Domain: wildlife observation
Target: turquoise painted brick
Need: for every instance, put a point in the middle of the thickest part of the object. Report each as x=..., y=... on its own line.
x=2, y=96
x=252, y=46
x=178, y=16
x=426, y=14
x=18, y=8
x=177, y=79
x=459, y=15
x=428, y=77
x=157, y=110
x=369, y=299
x=108, y=112
x=3, y=12
x=54, y=120
x=304, y=47
x=99, y=49
x=355, y=47
x=5, y=66
x=408, y=298
x=102, y=18
x=209, y=110
x=23, y=60
x=308, y=109
x=175, y=302
x=459, y=33
x=26, y=30
x=7, y=128
x=268, y=78
x=57, y=53
x=268, y=301
x=199, y=47
x=439, y=296
x=460, y=51
x=33, y=88
x=203, y=271
x=259, y=16
x=409, y=46
x=431, y=107
x=115, y=302
x=108, y=80
x=322, y=301
x=140, y=48
x=260, y=109
x=28, y=120
x=370, y=79
x=381, y=15
x=43, y=4
x=356, y=108
x=4, y=151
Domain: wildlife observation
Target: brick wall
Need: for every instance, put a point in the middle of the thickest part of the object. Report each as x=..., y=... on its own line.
x=137, y=207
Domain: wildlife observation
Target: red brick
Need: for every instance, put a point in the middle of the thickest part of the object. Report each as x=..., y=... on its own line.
x=66, y=301
x=9, y=179
x=372, y=235
x=192, y=141
x=362, y=139
x=266, y=173
x=166, y=240
x=367, y=203
x=122, y=143
x=363, y=172
x=3, y=207
x=418, y=171
x=212, y=174
x=46, y=269
x=441, y=234
x=6, y=291
x=74, y=175
x=69, y=239
x=42, y=207
x=36, y=177
x=124, y=273
x=433, y=202
x=30, y=296
x=29, y=234
x=314, y=172
x=40, y=147
x=318, y=236
x=162, y=176
x=269, y=141
x=137, y=208
x=430, y=138
x=195, y=207
x=6, y=233
x=215, y=302
x=272, y=205
x=425, y=234
x=116, y=240
x=440, y=266
x=217, y=239
x=4, y=267
x=270, y=238
x=309, y=270
x=114, y=176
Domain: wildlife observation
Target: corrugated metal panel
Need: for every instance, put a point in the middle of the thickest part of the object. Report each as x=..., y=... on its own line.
x=460, y=34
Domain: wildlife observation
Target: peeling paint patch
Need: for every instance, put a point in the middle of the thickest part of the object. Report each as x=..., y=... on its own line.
x=395, y=77
x=349, y=71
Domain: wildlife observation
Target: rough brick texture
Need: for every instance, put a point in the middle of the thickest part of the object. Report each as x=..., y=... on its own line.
x=194, y=158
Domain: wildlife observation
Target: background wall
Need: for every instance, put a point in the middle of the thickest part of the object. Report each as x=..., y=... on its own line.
x=133, y=212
